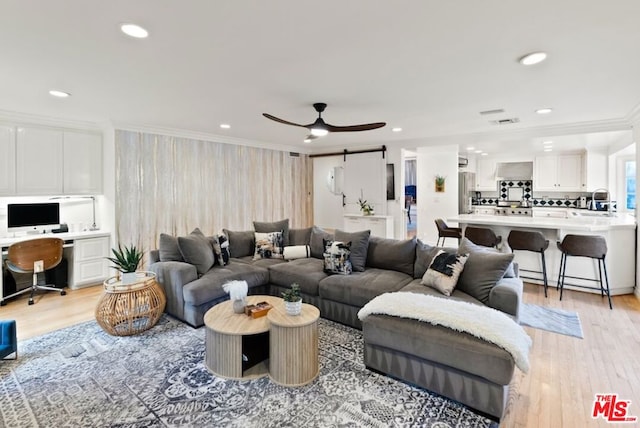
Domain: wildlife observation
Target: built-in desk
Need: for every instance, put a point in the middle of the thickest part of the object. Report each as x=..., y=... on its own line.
x=85, y=253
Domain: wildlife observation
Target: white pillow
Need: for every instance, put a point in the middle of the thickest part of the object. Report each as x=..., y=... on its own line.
x=444, y=271
x=293, y=252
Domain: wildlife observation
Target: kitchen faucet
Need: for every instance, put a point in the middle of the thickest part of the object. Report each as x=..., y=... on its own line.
x=608, y=200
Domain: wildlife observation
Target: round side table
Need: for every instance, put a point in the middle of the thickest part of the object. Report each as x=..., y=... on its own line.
x=124, y=310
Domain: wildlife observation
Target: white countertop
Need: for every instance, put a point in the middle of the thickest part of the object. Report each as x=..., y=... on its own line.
x=5, y=241
x=622, y=221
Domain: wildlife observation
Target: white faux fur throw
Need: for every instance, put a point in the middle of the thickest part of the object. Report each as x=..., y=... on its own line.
x=480, y=321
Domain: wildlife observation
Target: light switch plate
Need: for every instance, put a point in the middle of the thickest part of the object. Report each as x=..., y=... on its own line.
x=38, y=266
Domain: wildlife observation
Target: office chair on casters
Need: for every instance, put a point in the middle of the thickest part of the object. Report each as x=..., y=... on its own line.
x=35, y=256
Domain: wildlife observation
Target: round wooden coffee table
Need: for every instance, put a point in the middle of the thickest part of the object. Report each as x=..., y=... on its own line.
x=224, y=332
x=127, y=309
x=293, y=343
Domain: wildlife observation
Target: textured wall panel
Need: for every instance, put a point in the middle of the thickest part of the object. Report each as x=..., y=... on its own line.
x=172, y=185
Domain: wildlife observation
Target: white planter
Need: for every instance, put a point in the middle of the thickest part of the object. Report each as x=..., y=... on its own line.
x=293, y=308
x=129, y=278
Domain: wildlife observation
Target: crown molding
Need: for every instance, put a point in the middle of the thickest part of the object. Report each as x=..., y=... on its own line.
x=634, y=116
x=205, y=136
x=16, y=118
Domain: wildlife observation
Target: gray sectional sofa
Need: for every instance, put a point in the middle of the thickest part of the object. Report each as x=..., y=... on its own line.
x=456, y=365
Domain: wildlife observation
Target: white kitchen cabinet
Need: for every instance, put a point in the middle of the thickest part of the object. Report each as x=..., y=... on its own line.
x=89, y=263
x=595, y=167
x=486, y=174
x=560, y=173
x=39, y=161
x=7, y=161
x=379, y=225
x=82, y=167
x=550, y=212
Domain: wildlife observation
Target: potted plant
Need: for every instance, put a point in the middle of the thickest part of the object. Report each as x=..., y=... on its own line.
x=440, y=183
x=126, y=260
x=365, y=207
x=292, y=300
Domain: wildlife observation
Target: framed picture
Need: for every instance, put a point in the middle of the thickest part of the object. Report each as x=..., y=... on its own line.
x=391, y=182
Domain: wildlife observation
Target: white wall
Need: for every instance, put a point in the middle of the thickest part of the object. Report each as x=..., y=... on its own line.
x=432, y=161
x=636, y=139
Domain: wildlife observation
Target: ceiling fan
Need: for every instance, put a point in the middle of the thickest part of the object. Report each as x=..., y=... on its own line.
x=320, y=128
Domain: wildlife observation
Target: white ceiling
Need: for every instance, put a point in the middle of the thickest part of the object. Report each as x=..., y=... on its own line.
x=427, y=66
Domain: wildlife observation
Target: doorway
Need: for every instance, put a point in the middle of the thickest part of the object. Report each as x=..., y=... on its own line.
x=410, y=193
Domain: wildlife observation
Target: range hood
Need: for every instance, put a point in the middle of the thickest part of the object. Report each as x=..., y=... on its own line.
x=514, y=171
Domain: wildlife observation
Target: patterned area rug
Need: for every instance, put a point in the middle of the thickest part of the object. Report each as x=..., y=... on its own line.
x=550, y=319
x=82, y=377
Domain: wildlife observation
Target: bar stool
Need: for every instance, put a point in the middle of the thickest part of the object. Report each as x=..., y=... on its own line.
x=445, y=231
x=482, y=236
x=530, y=241
x=591, y=246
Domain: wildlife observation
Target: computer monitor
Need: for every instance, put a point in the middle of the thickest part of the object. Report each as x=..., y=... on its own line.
x=33, y=218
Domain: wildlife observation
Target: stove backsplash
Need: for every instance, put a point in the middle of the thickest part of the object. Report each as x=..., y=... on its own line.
x=536, y=199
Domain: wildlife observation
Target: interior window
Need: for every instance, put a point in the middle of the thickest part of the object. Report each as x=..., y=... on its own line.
x=630, y=184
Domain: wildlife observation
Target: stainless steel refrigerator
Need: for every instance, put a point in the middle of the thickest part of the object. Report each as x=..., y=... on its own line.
x=466, y=190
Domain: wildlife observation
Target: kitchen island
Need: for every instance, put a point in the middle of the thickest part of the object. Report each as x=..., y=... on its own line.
x=619, y=232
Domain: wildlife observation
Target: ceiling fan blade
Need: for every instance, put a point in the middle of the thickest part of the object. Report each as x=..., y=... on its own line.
x=277, y=119
x=353, y=128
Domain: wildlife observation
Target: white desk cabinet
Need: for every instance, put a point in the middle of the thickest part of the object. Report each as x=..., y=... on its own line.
x=379, y=225
x=89, y=263
x=7, y=161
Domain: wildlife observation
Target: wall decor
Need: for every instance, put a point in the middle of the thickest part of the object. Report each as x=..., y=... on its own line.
x=439, y=181
x=391, y=182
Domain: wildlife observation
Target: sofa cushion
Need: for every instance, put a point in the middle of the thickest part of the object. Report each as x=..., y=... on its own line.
x=197, y=250
x=265, y=263
x=415, y=287
x=240, y=243
x=209, y=286
x=466, y=246
x=481, y=273
x=168, y=249
x=316, y=241
x=424, y=255
x=359, y=246
x=274, y=226
x=441, y=345
x=307, y=273
x=444, y=271
x=300, y=236
x=269, y=245
x=360, y=287
x=392, y=254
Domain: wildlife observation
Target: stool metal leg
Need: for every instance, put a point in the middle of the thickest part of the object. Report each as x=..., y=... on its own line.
x=606, y=277
x=564, y=269
x=560, y=271
x=544, y=273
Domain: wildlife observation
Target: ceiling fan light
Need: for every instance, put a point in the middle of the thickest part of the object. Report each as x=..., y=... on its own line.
x=319, y=132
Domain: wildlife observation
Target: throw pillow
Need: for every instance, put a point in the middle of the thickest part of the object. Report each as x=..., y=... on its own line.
x=359, y=247
x=197, y=250
x=337, y=257
x=392, y=254
x=224, y=248
x=217, y=250
x=316, y=241
x=424, y=255
x=482, y=271
x=467, y=246
x=275, y=226
x=241, y=244
x=444, y=271
x=168, y=249
x=268, y=245
x=300, y=236
x=293, y=252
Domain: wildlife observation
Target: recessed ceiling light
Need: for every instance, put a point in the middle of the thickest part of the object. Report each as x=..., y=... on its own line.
x=470, y=148
x=59, y=94
x=545, y=110
x=396, y=129
x=533, y=58
x=484, y=154
x=225, y=126
x=548, y=149
x=134, y=30
x=546, y=143
x=478, y=151
x=306, y=140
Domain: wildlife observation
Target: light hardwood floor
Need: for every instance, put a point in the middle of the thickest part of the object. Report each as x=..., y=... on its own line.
x=558, y=391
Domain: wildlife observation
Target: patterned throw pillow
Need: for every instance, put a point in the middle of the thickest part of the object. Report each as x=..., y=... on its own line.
x=217, y=250
x=224, y=249
x=269, y=246
x=444, y=271
x=337, y=257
